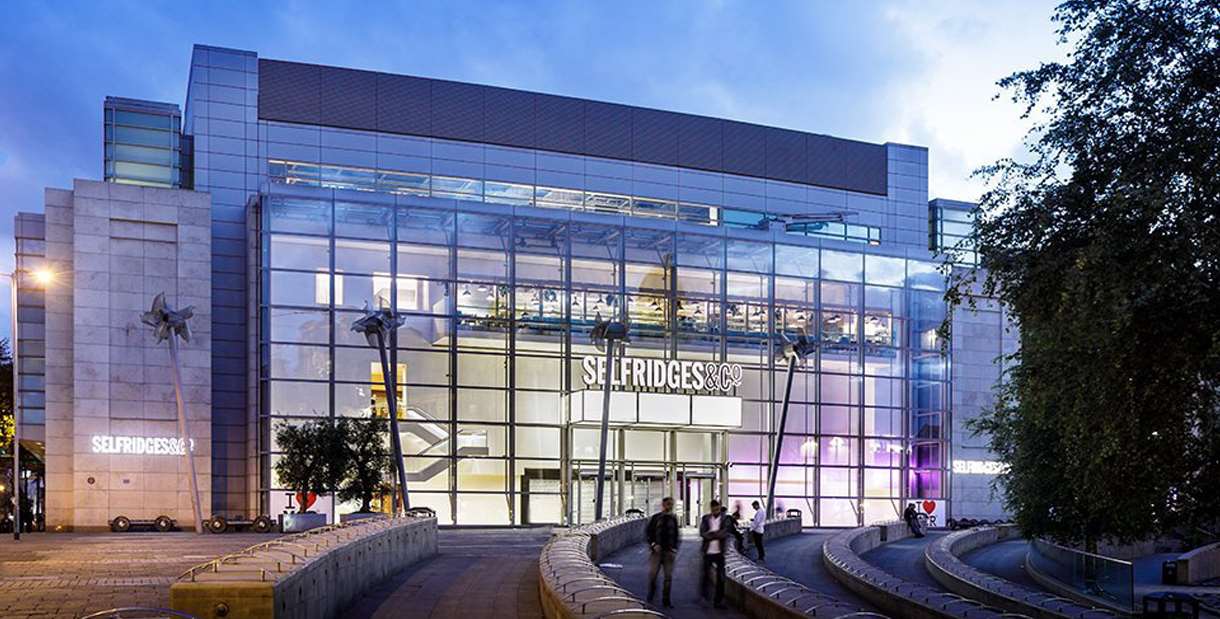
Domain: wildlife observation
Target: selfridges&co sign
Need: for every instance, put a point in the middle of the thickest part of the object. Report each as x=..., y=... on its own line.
x=662, y=374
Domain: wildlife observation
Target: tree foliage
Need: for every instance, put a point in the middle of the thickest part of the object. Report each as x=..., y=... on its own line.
x=315, y=456
x=7, y=424
x=1105, y=246
x=368, y=459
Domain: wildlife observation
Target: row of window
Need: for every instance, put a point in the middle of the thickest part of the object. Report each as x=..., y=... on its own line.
x=520, y=194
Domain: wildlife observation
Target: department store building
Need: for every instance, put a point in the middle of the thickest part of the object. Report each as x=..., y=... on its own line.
x=502, y=224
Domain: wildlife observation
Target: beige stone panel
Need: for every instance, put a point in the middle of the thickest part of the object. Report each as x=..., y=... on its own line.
x=90, y=407
x=92, y=518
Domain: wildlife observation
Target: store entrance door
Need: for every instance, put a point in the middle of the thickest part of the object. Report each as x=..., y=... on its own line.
x=692, y=486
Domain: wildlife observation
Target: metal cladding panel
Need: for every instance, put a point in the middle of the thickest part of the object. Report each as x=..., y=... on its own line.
x=509, y=117
x=654, y=136
x=700, y=142
x=404, y=104
x=310, y=94
x=745, y=149
x=865, y=166
x=607, y=130
x=289, y=91
x=559, y=123
x=786, y=155
x=348, y=98
x=457, y=111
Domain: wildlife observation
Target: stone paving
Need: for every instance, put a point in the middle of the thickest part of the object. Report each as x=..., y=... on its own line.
x=688, y=604
x=477, y=574
x=66, y=575
x=904, y=559
x=799, y=557
x=1005, y=559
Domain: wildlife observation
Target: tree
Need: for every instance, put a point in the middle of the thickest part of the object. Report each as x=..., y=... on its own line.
x=314, y=460
x=1105, y=245
x=7, y=423
x=368, y=458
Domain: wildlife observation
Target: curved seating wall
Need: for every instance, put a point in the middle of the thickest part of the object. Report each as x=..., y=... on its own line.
x=763, y=594
x=317, y=573
x=842, y=552
x=941, y=557
x=569, y=582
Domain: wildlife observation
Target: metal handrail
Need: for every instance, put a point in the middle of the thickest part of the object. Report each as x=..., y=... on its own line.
x=584, y=605
x=606, y=587
x=121, y=612
x=631, y=611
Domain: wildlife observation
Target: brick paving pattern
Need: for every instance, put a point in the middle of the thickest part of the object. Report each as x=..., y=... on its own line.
x=477, y=574
x=67, y=575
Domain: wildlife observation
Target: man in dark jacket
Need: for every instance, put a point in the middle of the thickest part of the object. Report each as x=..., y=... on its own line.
x=714, y=528
x=664, y=536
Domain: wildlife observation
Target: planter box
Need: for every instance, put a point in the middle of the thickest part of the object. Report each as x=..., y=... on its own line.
x=361, y=516
x=295, y=523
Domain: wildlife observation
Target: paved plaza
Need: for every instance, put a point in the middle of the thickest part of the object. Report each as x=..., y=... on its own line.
x=629, y=567
x=477, y=574
x=66, y=575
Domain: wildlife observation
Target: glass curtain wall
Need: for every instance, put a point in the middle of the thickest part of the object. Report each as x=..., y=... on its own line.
x=499, y=301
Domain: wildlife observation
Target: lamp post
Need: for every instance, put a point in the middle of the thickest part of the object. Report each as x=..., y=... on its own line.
x=377, y=325
x=171, y=324
x=43, y=277
x=609, y=334
x=797, y=352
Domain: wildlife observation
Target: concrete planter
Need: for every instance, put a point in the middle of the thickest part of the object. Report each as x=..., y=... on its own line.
x=295, y=523
x=360, y=516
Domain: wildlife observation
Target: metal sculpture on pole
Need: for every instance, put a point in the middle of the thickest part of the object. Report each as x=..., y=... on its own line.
x=377, y=325
x=606, y=334
x=796, y=351
x=171, y=324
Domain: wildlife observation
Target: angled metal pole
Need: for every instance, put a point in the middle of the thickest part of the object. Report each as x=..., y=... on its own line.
x=184, y=432
x=392, y=402
x=601, y=458
x=16, y=416
x=779, y=439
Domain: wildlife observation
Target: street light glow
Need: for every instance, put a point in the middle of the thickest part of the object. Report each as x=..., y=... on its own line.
x=43, y=277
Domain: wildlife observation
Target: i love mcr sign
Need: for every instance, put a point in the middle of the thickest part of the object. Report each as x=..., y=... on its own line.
x=664, y=374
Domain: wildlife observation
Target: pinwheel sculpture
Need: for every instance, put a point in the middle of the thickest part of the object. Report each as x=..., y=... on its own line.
x=796, y=352
x=377, y=325
x=170, y=324
x=606, y=335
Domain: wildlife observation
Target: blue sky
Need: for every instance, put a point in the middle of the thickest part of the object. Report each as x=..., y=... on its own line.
x=918, y=72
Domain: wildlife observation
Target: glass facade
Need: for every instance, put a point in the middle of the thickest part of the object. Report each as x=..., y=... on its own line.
x=500, y=297
x=142, y=143
x=951, y=230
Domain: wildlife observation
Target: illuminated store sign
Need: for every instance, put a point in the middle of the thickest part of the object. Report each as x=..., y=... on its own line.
x=139, y=445
x=978, y=467
x=673, y=375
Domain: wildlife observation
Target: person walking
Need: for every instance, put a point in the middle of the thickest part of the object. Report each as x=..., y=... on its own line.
x=758, y=528
x=663, y=538
x=735, y=520
x=714, y=530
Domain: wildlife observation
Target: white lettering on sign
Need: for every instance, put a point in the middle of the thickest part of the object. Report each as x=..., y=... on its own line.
x=978, y=467
x=672, y=375
x=139, y=445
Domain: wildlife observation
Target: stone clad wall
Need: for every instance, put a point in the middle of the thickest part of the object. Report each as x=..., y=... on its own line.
x=113, y=248
x=312, y=575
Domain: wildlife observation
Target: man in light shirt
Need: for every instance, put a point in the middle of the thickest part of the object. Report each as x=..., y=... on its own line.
x=758, y=527
x=714, y=528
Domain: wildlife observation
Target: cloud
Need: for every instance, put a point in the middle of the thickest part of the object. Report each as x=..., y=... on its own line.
x=948, y=104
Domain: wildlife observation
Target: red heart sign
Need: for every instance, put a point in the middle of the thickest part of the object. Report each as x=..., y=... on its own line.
x=929, y=507
x=306, y=500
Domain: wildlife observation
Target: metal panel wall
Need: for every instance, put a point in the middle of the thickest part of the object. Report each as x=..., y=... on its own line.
x=365, y=100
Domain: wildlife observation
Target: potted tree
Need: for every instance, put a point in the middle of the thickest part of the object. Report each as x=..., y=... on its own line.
x=314, y=461
x=368, y=458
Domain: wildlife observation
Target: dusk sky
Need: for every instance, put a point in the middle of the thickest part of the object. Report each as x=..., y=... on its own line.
x=896, y=71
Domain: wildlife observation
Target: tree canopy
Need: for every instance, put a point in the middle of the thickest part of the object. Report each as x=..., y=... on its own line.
x=1105, y=246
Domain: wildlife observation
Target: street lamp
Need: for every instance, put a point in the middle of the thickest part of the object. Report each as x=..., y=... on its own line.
x=797, y=351
x=43, y=277
x=606, y=334
x=377, y=325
